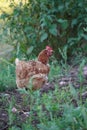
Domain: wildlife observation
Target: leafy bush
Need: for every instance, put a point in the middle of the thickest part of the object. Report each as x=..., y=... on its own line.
x=35, y=23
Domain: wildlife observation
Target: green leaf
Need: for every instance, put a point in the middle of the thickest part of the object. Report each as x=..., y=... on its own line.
x=85, y=19
x=30, y=49
x=44, y=37
x=84, y=113
x=73, y=91
x=74, y=22
x=84, y=36
x=53, y=30
x=85, y=29
x=64, y=23
x=14, y=128
x=22, y=91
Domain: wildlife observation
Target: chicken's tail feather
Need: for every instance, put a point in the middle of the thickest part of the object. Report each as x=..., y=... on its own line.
x=16, y=61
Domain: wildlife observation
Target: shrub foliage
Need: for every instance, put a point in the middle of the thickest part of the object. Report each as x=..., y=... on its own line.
x=37, y=23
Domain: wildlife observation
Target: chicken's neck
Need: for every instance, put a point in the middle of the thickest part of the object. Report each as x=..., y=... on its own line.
x=43, y=57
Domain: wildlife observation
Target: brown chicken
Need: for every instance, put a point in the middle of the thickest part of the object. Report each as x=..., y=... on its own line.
x=35, y=71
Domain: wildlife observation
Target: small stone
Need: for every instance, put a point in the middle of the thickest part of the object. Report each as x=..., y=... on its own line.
x=26, y=114
x=84, y=95
x=14, y=110
x=62, y=83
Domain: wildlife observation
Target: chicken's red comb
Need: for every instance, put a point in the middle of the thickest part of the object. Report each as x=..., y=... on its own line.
x=48, y=48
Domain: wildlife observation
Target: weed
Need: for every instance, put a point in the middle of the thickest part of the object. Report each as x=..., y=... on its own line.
x=7, y=76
